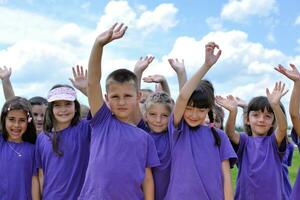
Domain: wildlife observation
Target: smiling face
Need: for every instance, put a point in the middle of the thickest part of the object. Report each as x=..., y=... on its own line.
x=123, y=100
x=16, y=125
x=194, y=116
x=157, y=116
x=260, y=122
x=64, y=112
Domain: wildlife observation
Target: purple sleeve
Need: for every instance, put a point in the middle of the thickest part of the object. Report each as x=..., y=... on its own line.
x=37, y=154
x=35, y=168
x=296, y=138
x=281, y=148
x=174, y=132
x=152, y=157
x=101, y=116
x=226, y=150
x=241, y=145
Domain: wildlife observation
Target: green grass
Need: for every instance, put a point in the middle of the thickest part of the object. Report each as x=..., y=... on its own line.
x=293, y=170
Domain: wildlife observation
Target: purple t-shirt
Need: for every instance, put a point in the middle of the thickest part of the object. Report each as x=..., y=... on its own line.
x=16, y=171
x=286, y=162
x=296, y=189
x=120, y=154
x=161, y=174
x=196, y=169
x=260, y=168
x=64, y=176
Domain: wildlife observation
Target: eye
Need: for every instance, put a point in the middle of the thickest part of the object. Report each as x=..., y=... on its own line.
x=23, y=120
x=11, y=118
x=152, y=114
x=165, y=115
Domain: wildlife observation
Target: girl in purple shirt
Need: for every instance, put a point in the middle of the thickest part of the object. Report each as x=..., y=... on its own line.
x=294, y=75
x=18, y=177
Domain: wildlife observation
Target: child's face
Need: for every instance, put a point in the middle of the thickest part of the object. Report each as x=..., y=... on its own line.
x=157, y=117
x=38, y=112
x=195, y=116
x=260, y=122
x=16, y=125
x=63, y=111
x=123, y=99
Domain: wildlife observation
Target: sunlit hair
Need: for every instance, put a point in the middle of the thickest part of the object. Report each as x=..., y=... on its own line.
x=121, y=76
x=159, y=98
x=203, y=97
x=261, y=103
x=19, y=103
x=49, y=121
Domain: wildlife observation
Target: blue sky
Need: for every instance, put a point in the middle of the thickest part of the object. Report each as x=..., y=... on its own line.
x=42, y=40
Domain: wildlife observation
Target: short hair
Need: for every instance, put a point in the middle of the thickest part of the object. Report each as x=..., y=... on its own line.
x=37, y=100
x=161, y=98
x=121, y=76
x=19, y=103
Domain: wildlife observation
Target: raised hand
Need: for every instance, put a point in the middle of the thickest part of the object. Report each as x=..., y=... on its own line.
x=157, y=78
x=291, y=74
x=143, y=63
x=278, y=92
x=229, y=103
x=241, y=103
x=5, y=73
x=177, y=65
x=210, y=57
x=115, y=32
x=79, y=80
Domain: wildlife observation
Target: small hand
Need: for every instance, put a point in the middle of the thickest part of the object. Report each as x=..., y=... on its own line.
x=79, y=80
x=177, y=65
x=157, y=78
x=115, y=32
x=278, y=92
x=241, y=103
x=210, y=57
x=5, y=73
x=229, y=103
x=291, y=74
x=143, y=63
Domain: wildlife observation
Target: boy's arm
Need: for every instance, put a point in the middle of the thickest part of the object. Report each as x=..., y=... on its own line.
x=228, y=192
x=179, y=68
x=191, y=85
x=140, y=67
x=274, y=99
x=160, y=80
x=148, y=185
x=79, y=80
x=94, y=91
x=230, y=104
x=6, y=84
x=35, y=188
x=294, y=75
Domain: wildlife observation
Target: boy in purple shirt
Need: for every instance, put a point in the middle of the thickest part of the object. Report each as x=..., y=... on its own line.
x=294, y=75
x=121, y=155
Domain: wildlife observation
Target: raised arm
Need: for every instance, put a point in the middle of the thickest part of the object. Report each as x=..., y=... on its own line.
x=6, y=84
x=160, y=80
x=79, y=80
x=140, y=67
x=94, y=67
x=179, y=68
x=191, y=85
x=274, y=100
x=231, y=105
x=294, y=75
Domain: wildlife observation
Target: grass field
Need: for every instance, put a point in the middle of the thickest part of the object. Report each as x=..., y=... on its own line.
x=293, y=170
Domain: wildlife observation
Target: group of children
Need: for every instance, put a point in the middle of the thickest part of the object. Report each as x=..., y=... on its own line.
x=131, y=146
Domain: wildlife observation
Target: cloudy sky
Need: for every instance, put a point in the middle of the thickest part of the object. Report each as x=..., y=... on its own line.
x=42, y=40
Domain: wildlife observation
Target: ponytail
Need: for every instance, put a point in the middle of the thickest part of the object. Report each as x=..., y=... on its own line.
x=213, y=130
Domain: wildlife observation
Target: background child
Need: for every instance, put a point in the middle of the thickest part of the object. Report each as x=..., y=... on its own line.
x=294, y=75
x=39, y=105
x=62, y=150
x=200, y=154
x=18, y=175
x=259, y=151
x=121, y=154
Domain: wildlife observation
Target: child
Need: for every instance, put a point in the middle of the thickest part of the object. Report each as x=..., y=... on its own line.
x=39, y=105
x=259, y=151
x=62, y=149
x=121, y=154
x=294, y=75
x=18, y=177
x=200, y=166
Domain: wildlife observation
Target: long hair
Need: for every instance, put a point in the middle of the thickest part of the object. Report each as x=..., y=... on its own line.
x=19, y=103
x=49, y=122
x=203, y=97
x=260, y=103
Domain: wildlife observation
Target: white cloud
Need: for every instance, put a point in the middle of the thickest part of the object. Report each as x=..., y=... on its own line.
x=271, y=38
x=214, y=23
x=256, y=67
x=297, y=22
x=240, y=10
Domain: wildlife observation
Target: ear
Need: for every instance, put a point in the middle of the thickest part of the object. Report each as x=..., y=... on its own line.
x=139, y=96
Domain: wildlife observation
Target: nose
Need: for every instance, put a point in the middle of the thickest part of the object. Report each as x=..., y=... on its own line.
x=121, y=101
x=158, y=119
